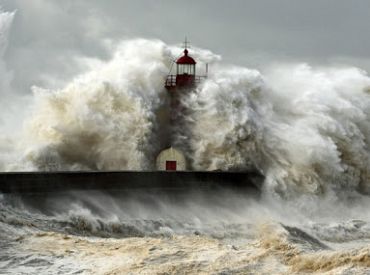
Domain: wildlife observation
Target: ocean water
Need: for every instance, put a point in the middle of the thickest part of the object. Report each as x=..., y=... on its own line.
x=209, y=233
x=306, y=129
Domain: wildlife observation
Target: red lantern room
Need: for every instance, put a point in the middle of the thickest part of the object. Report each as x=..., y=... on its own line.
x=185, y=72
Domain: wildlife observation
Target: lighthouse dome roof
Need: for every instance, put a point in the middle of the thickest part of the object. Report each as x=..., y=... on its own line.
x=186, y=59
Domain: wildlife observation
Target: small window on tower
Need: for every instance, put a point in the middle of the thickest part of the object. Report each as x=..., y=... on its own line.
x=171, y=165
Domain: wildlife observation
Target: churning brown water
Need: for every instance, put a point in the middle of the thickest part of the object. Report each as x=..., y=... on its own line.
x=306, y=129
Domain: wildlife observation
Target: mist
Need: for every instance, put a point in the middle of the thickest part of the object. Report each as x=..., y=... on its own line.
x=303, y=127
x=287, y=96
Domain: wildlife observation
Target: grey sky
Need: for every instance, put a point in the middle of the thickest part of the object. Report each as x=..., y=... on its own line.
x=48, y=35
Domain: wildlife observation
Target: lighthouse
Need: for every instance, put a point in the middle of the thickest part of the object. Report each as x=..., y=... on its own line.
x=185, y=77
x=178, y=85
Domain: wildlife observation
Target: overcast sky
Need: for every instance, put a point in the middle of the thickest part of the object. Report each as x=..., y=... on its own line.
x=48, y=35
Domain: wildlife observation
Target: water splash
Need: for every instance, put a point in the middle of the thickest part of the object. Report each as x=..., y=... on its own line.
x=104, y=119
x=305, y=128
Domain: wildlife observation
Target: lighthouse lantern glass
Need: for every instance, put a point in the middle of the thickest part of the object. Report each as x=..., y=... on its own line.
x=186, y=69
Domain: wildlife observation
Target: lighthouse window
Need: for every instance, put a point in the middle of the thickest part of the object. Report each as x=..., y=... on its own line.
x=186, y=69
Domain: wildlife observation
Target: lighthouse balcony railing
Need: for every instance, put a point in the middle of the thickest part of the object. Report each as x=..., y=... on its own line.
x=171, y=80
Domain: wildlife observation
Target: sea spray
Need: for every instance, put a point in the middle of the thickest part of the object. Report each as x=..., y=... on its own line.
x=224, y=128
x=306, y=129
x=104, y=119
x=317, y=128
x=110, y=118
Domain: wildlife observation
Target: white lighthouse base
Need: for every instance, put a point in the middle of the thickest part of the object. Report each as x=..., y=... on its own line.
x=171, y=159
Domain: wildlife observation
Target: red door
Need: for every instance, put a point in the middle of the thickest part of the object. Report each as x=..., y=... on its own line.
x=171, y=165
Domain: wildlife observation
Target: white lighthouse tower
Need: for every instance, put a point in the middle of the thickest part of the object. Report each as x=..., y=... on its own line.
x=177, y=85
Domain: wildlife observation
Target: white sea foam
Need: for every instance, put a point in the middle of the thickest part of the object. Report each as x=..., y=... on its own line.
x=306, y=129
